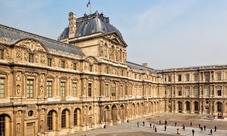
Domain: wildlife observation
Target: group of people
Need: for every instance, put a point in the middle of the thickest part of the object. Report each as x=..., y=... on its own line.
x=178, y=131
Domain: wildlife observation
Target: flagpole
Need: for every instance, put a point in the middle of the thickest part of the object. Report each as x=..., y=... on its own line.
x=90, y=6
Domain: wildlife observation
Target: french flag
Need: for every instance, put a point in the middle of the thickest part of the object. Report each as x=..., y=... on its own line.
x=88, y=3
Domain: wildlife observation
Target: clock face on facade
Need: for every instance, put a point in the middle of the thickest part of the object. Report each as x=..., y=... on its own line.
x=30, y=113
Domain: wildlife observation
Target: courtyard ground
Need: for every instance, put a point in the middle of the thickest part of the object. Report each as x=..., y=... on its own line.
x=131, y=129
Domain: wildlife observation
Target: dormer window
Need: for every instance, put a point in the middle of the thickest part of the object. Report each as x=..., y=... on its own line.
x=74, y=66
x=49, y=62
x=31, y=58
x=62, y=64
x=90, y=68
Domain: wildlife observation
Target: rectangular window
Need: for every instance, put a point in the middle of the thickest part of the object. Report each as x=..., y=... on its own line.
x=187, y=77
x=49, y=62
x=2, y=87
x=196, y=77
x=74, y=89
x=179, y=92
x=31, y=58
x=196, y=93
x=2, y=54
x=30, y=88
x=187, y=92
x=219, y=76
x=90, y=68
x=207, y=90
x=74, y=66
x=49, y=89
x=179, y=78
x=207, y=76
x=169, y=92
x=89, y=89
x=121, y=91
x=62, y=89
x=113, y=89
x=169, y=78
x=62, y=64
x=219, y=91
x=106, y=90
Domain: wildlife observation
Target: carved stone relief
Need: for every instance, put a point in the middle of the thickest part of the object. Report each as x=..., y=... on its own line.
x=19, y=54
x=31, y=45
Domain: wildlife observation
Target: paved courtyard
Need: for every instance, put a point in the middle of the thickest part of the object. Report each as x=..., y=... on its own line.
x=131, y=128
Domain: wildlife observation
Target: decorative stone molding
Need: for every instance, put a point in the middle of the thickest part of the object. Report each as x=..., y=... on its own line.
x=7, y=41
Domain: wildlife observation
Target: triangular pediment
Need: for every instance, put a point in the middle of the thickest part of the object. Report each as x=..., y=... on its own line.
x=114, y=38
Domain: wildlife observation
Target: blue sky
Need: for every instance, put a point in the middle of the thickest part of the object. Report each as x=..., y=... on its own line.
x=163, y=33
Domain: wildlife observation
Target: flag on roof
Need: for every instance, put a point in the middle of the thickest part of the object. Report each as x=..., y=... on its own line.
x=88, y=3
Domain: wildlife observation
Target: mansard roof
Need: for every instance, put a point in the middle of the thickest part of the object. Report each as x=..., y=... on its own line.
x=15, y=35
x=138, y=67
x=91, y=24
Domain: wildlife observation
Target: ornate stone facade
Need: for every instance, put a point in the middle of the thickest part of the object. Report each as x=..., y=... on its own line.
x=51, y=88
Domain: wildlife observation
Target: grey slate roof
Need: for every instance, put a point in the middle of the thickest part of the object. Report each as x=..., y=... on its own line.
x=139, y=67
x=16, y=35
x=90, y=24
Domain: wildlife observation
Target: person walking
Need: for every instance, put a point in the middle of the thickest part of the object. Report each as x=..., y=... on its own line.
x=183, y=127
x=165, y=127
x=199, y=125
x=143, y=123
x=210, y=131
x=150, y=125
x=155, y=129
x=204, y=127
x=175, y=124
x=190, y=123
x=193, y=132
x=215, y=128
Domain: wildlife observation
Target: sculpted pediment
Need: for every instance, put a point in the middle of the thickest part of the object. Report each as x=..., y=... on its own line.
x=115, y=39
x=31, y=45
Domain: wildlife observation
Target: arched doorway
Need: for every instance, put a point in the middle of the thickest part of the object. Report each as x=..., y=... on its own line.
x=106, y=115
x=76, y=117
x=188, y=106
x=196, y=107
x=122, y=113
x=219, y=108
x=114, y=113
x=179, y=107
x=5, y=125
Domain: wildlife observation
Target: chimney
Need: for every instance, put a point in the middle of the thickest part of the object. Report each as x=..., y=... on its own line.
x=72, y=25
x=144, y=64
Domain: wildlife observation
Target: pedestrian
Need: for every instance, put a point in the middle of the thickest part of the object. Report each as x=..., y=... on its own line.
x=199, y=125
x=183, y=127
x=175, y=124
x=178, y=131
x=210, y=131
x=165, y=127
x=153, y=126
x=204, y=127
x=138, y=124
x=143, y=123
x=150, y=125
x=201, y=128
x=160, y=122
x=215, y=128
x=193, y=131
x=155, y=129
x=165, y=122
x=190, y=123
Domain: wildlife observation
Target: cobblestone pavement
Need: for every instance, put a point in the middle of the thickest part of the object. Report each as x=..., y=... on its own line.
x=131, y=129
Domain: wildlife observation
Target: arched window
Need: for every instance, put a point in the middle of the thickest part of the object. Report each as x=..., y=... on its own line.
x=50, y=120
x=63, y=119
x=219, y=106
x=187, y=106
x=196, y=105
x=2, y=125
x=75, y=117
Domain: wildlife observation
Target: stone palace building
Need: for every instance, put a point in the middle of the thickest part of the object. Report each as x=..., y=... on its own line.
x=83, y=81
